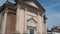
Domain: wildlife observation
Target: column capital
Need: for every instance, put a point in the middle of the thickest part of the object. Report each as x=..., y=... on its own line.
x=20, y=7
x=6, y=10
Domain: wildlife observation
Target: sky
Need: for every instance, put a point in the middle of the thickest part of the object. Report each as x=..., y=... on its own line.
x=52, y=8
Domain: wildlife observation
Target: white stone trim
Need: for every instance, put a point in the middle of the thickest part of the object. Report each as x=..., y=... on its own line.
x=4, y=23
x=39, y=25
x=20, y=19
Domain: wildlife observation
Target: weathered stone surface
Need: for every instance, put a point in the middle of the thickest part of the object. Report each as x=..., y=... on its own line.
x=11, y=21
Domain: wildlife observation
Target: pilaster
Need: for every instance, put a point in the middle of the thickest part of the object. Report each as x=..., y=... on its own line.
x=20, y=17
x=43, y=25
x=4, y=22
x=25, y=22
x=39, y=24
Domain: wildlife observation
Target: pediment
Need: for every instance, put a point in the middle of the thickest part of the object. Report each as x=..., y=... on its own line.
x=32, y=4
x=32, y=22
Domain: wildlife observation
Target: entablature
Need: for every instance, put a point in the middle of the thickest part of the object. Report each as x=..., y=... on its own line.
x=8, y=7
x=30, y=8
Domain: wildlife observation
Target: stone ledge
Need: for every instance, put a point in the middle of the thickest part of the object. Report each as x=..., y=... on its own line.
x=38, y=32
x=25, y=32
x=16, y=32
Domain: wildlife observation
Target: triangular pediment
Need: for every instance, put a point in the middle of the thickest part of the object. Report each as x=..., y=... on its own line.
x=32, y=4
x=32, y=19
x=32, y=22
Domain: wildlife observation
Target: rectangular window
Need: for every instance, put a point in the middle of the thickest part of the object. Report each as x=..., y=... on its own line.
x=31, y=31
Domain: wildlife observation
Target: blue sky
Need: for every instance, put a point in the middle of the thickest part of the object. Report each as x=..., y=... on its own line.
x=52, y=8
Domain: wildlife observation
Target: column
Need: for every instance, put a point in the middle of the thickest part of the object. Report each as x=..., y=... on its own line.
x=4, y=23
x=39, y=24
x=20, y=19
x=25, y=22
x=43, y=26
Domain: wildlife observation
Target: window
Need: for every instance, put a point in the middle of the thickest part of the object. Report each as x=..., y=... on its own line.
x=31, y=31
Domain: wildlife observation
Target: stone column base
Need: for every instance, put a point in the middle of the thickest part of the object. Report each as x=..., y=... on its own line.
x=25, y=32
x=38, y=32
x=16, y=33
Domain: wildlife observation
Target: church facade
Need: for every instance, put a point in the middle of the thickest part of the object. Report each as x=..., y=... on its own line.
x=23, y=17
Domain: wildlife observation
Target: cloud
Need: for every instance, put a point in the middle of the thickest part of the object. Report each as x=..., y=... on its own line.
x=54, y=5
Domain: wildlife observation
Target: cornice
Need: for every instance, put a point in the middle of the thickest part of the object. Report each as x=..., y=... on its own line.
x=29, y=7
x=45, y=18
x=39, y=5
x=13, y=7
x=9, y=6
x=35, y=1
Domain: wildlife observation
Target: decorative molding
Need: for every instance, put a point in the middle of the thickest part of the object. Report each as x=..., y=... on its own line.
x=29, y=7
x=35, y=1
x=44, y=18
x=22, y=8
x=31, y=15
x=9, y=11
x=32, y=19
x=8, y=5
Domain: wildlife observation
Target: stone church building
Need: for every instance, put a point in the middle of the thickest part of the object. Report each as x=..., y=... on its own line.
x=22, y=17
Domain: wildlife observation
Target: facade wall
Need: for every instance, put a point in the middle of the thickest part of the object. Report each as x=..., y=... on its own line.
x=40, y=23
x=19, y=22
x=23, y=15
x=33, y=16
x=11, y=21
